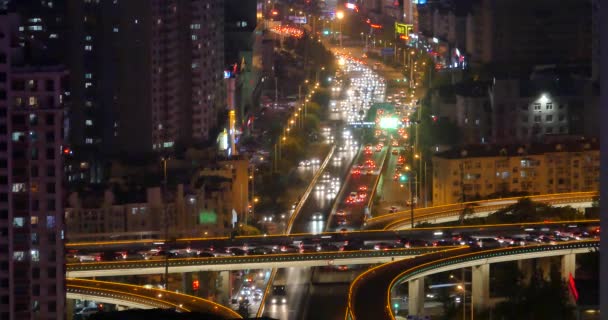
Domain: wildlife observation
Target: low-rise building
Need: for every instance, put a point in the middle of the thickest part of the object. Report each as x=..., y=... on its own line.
x=487, y=171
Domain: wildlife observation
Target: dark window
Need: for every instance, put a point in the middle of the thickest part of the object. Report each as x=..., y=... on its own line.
x=34, y=171
x=3, y=147
x=50, y=204
x=50, y=171
x=36, y=273
x=50, y=154
x=2, y=94
x=50, y=187
x=3, y=77
x=50, y=119
x=2, y=162
x=3, y=196
x=18, y=85
x=51, y=272
x=50, y=85
x=3, y=179
x=18, y=119
x=36, y=289
x=50, y=136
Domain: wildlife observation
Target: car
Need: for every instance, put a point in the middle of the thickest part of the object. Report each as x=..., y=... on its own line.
x=259, y=251
x=317, y=216
x=368, y=151
x=356, y=172
x=362, y=188
x=288, y=248
x=362, y=194
x=395, y=152
x=85, y=312
x=393, y=209
x=383, y=246
x=340, y=212
x=488, y=243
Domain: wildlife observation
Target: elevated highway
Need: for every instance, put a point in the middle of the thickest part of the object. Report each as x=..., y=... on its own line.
x=139, y=267
x=143, y=298
x=370, y=294
x=451, y=212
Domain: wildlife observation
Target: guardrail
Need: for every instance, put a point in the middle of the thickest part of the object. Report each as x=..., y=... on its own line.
x=565, y=198
x=340, y=193
x=273, y=274
x=476, y=209
x=236, y=260
x=157, y=298
x=370, y=201
x=310, y=187
x=388, y=274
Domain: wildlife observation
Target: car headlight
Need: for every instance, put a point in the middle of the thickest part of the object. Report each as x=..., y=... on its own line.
x=274, y=300
x=283, y=300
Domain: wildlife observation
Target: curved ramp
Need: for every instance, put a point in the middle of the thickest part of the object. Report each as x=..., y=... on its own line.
x=143, y=298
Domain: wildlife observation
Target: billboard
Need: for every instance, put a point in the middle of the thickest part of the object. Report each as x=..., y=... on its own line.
x=403, y=29
x=297, y=19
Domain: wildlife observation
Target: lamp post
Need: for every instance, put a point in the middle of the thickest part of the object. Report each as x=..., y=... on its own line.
x=340, y=16
x=166, y=218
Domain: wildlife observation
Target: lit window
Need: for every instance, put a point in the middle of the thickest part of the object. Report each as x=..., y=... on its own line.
x=194, y=65
x=88, y=38
x=33, y=220
x=53, y=36
x=136, y=21
x=88, y=47
x=88, y=140
x=18, y=187
x=18, y=222
x=168, y=144
x=35, y=255
x=115, y=29
x=89, y=122
x=50, y=222
x=18, y=255
x=32, y=101
x=194, y=37
x=17, y=136
x=88, y=76
x=88, y=85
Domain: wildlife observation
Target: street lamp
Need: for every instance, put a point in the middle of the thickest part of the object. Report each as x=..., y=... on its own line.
x=340, y=16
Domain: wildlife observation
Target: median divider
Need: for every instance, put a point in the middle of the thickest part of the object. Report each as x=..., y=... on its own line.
x=311, y=185
x=370, y=201
x=273, y=274
x=340, y=194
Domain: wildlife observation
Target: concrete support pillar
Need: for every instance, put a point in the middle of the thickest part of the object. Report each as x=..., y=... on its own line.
x=526, y=269
x=416, y=296
x=568, y=266
x=187, y=282
x=481, y=286
x=224, y=287
x=69, y=308
x=544, y=266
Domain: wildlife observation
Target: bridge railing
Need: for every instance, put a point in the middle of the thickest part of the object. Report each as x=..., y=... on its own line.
x=157, y=298
x=235, y=260
x=476, y=209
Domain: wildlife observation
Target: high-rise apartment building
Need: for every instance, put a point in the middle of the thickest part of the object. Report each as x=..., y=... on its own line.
x=31, y=190
x=146, y=75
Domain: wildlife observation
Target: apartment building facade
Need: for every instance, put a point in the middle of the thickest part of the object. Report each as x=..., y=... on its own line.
x=479, y=171
x=32, y=106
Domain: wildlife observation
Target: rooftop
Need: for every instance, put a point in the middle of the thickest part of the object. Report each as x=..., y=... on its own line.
x=513, y=150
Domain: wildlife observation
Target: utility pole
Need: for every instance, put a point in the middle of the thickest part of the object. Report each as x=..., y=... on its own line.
x=166, y=216
x=411, y=199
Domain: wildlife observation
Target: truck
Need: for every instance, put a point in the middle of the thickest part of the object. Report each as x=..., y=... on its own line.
x=279, y=291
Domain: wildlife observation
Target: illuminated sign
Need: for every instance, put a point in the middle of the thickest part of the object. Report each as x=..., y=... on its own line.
x=389, y=123
x=404, y=29
x=207, y=217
